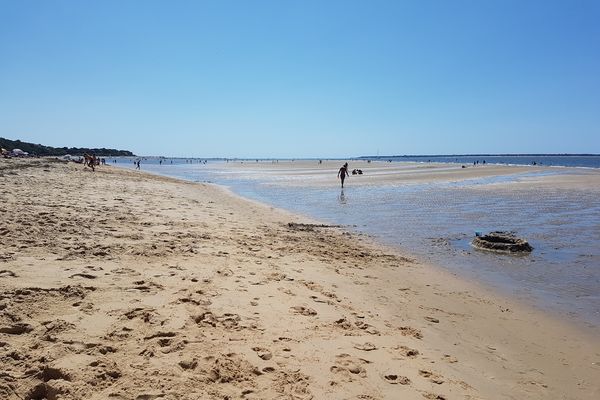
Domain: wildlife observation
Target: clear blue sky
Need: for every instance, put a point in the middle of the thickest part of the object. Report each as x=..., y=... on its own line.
x=302, y=78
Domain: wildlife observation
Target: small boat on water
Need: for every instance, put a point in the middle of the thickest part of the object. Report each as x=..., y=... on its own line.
x=505, y=242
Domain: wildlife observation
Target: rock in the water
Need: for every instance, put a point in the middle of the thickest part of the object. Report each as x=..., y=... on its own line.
x=503, y=242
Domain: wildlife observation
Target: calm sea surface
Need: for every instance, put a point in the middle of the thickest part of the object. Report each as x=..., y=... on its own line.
x=437, y=221
x=589, y=161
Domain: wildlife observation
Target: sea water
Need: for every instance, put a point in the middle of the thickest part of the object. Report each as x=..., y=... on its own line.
x=587, y=161
x=436, y=222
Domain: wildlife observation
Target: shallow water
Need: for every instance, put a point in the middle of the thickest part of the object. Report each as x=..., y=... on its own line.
x=437, y=221
x=588, y=161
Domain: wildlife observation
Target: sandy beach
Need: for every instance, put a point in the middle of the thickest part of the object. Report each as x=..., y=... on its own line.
x=119, y=284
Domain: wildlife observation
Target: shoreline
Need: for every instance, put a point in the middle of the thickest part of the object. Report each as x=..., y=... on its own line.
x=562, y=316
x=412, y=176
x=219, y=297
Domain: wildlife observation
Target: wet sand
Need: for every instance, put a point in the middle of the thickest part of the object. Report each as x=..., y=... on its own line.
x=377, y=173
x=124, y=285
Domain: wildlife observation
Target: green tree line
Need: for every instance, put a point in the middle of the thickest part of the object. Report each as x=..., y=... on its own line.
x=41, y=150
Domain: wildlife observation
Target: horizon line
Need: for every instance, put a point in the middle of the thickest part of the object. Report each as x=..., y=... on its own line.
x=376, y=157
x=491, y=155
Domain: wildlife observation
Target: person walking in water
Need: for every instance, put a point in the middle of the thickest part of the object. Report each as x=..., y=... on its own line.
x=343, y=173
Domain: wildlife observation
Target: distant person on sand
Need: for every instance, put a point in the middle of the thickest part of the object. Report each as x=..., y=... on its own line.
x=89, y=161
x=137, y=165
x=343, y=173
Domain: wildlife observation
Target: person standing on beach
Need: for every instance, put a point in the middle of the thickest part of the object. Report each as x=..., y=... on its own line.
x=343, y=173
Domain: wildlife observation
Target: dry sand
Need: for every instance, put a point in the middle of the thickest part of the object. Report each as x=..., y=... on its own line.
x=123, y=285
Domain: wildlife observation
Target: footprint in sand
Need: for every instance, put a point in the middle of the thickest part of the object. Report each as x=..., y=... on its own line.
x=49, y=373
x=365, y=346
x=6, y=272
x=293, y=385
x=409, y=331
x=196, y=301
x=309, y=312
x=226, y=368
x=435, y=378
x=433, y=396
x=343, y=323
x=57, y=326
x=348, y=366
x=150, y=396
x=125, y=271
x=225, y=272
x=188, y=364
x=407, y=351
x=83, y=275
x=395, y=379
x=450, y=359
x=227, y=320
x=145, y=314
x=198, y=297
x=43, y=390
x=161, y=335
x=144, y=286
x=319, y=300
x=16, y=329
x=263, y=353
x=366, y=327
x=347, y=325
x=286, y=291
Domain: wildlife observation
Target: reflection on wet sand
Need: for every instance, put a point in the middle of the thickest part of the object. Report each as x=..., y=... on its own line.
x=342, y=197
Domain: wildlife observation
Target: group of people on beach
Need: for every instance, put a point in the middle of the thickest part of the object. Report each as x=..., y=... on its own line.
x=90, y=160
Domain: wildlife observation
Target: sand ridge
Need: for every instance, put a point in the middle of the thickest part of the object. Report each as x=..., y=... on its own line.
x=119, y=284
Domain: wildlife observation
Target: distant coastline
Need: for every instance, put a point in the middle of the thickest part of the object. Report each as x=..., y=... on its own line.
x=487, y=155
x=551, y=160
